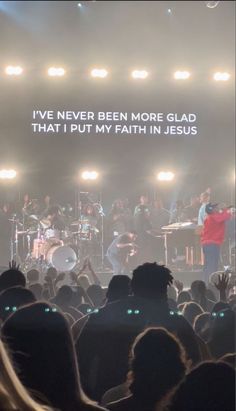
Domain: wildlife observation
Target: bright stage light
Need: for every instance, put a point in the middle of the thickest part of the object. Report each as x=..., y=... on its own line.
x=181, y=75
x=139, y=74
x=221, y=76
x=89, y=175
x=102, y=73
x=13, y=70
x=165, y=176
x=79, y=4
x=7, y=174
x=211, y=4
x=56, y=71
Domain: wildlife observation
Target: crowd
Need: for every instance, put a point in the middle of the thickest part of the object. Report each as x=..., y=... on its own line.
x=142, y=344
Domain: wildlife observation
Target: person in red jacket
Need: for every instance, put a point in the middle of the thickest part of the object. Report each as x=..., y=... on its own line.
x=212, y=237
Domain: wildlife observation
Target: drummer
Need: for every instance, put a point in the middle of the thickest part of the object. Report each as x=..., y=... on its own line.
x=55, y=218
x=89, y=216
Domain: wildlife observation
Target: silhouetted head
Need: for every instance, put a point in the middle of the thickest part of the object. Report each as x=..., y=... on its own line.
x=95, y=293
x=83, y=281
x=218, y=395
x=52, y=273
x=42, y=348
x=32, y=276
x=158, y=364
x=183, y=297
x=191, y=310
x=64, y=296
x=118, y=288
x=11, y=278
x=198, y=289
x=14, y=298
x=151, y=281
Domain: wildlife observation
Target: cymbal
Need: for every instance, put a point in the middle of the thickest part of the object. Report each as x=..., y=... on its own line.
x=45, y=223
x=34, y=217
x=95, y=229
x=155, y=233
x=77, y=222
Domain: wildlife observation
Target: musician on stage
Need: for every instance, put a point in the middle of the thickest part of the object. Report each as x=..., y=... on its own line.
x=204, y=200
x=90, y=215
x=213, y=236
x=119, y=251
x=55, y=218
x=144, y=202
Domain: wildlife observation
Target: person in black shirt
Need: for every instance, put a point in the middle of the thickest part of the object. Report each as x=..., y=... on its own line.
x=119, y=251
x=54, y=216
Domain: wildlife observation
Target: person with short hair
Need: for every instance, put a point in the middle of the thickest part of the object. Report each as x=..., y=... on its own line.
x=204, y=200
x=104, y=342
x=119, y=250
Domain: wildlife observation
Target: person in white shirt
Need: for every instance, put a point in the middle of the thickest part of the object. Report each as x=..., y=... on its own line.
x=204, y=200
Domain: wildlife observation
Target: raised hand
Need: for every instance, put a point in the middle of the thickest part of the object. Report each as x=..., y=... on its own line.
x=223, y=281
x=13, y=265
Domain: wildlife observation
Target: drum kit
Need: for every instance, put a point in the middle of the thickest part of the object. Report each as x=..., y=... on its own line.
x=47, y=246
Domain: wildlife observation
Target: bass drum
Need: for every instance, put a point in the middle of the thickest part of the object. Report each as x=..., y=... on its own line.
x=63, y=258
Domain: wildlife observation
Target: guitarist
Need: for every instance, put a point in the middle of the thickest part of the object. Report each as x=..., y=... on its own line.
x=119, y=251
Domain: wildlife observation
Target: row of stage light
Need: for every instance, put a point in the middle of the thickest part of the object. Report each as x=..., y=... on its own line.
x=92, y=176
x=103, y=73
x=86, y=175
